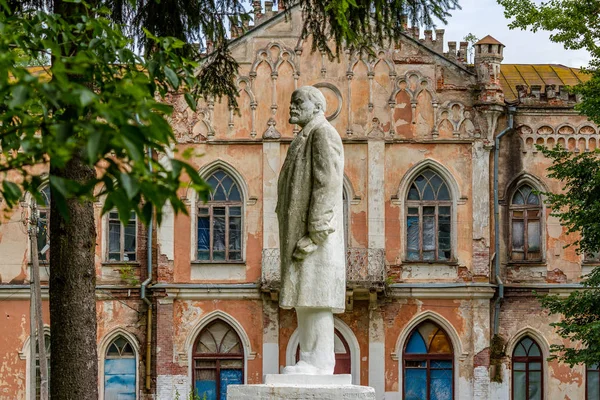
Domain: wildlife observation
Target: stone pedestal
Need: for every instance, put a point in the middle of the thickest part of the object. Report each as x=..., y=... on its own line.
x=302, y=387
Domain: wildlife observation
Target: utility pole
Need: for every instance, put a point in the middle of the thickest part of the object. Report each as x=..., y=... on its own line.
x=37, y=290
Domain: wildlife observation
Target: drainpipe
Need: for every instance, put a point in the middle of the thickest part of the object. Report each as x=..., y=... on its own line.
x=144, y=297
x=511, y=111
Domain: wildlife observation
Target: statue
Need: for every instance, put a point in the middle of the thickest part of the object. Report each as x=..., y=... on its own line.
x=310, y=214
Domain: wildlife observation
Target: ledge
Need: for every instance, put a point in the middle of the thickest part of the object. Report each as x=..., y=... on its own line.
x=229, y=271
x=442, y=290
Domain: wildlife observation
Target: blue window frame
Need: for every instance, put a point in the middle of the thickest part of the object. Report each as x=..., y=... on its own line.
x=428, y=364
x=119, y=371
x=219, y=221
x=218, y=358
x=428, y=219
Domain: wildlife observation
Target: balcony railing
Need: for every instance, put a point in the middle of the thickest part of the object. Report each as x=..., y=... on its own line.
x=364, y=267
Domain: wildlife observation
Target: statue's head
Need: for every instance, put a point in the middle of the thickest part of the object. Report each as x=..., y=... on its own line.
x=307, y=102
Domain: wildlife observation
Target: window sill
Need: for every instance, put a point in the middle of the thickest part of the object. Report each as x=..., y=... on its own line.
x=448, y=262
x=533, y=263
x=218, y=271
x=121, y=263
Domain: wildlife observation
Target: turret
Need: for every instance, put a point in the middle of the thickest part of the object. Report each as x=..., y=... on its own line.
x=488, y=57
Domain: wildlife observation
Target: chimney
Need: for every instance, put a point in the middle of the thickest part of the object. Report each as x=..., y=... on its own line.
x=416, y=32
x=404, y=22
x=439, y=40
x=268, y=9
x=428, y=38
x=452, y=50
x=257, y=11
x=462, y=51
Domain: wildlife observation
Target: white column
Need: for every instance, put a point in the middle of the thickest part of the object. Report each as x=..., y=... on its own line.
x=481, y=208
x=271, y=167
x=376, y=191
x=377, y=353
x=270, y=354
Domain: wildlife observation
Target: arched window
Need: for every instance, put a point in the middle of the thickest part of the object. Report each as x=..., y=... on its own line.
x=592, y=377
x=428, y=219
x=220, y=221
x=527, y=371
x=525, y=225
x=218, y=360
x=120, y=371
x=428, y=364
x=43, y=233
x=343, y=357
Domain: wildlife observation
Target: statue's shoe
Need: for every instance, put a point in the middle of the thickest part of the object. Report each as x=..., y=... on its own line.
x=304, y=368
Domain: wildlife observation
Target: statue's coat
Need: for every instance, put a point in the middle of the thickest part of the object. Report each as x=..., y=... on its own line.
x=310, y=200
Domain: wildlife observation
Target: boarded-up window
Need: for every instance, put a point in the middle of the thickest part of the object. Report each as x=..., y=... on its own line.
x=122, y=238
x=218, y=361
x=525, y=225
x=428, y=219
x=119, y=371
x=527, y=371
x=428, y=364
x=220, y=221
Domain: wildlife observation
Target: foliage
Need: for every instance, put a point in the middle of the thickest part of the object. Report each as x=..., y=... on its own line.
x=192, y=395
x=575, y=24
x=112, y=112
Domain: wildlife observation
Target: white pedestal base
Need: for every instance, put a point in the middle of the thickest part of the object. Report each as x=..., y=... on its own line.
x=302, y=387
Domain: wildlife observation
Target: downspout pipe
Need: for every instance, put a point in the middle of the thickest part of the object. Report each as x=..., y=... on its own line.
x=144, y=297
x=509, y=128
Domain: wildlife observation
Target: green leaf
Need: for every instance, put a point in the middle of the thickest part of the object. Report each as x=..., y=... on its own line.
x=130, y=185
x=172, y=77
x=190, y=101
x=86, y=97
x=93, y=146
x=20, y=94
x=11, y=192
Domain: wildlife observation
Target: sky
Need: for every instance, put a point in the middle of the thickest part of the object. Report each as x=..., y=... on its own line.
x=486, y=17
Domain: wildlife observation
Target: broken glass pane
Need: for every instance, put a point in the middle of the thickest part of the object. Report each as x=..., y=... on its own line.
x=114, y=240
x=412, y=229
x=533, y=236
x=518, y=239
x=218, y=233
x=428, y=233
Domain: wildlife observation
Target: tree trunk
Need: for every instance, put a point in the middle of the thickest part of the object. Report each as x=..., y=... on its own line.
x=73, y=360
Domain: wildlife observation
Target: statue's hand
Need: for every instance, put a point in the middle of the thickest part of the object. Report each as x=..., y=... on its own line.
x=320, y=236
x=304, y=247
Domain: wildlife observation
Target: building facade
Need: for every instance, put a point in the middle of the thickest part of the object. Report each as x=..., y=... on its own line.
x=438, y=305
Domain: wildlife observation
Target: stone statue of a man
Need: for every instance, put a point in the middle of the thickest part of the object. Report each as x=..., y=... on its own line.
x=310, y=213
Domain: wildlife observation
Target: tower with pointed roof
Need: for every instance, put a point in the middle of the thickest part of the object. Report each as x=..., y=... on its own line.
x=488, y=57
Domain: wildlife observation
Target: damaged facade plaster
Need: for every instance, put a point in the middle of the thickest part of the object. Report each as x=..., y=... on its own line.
x=407, y=113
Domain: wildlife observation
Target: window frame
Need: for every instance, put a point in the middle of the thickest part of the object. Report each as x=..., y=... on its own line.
x=106, y=356
x=587, y=371
x=420, y=204
x=122, y=251
x=211, y=204
x=427, y=357
x=527, y=359
x=525, y=209
x=217, y=357
x=43, y=224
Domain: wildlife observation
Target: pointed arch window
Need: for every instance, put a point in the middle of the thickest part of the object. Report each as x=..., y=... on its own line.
x=525, y=225
x=428, y=364
x=220, y=221
x=218, y=360
x=527, y=371
x=120, y=371
x=428, y=219
x=38, y=376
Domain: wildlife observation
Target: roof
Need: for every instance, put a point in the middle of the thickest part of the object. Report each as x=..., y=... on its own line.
x=489, y=40
x=512, y=75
